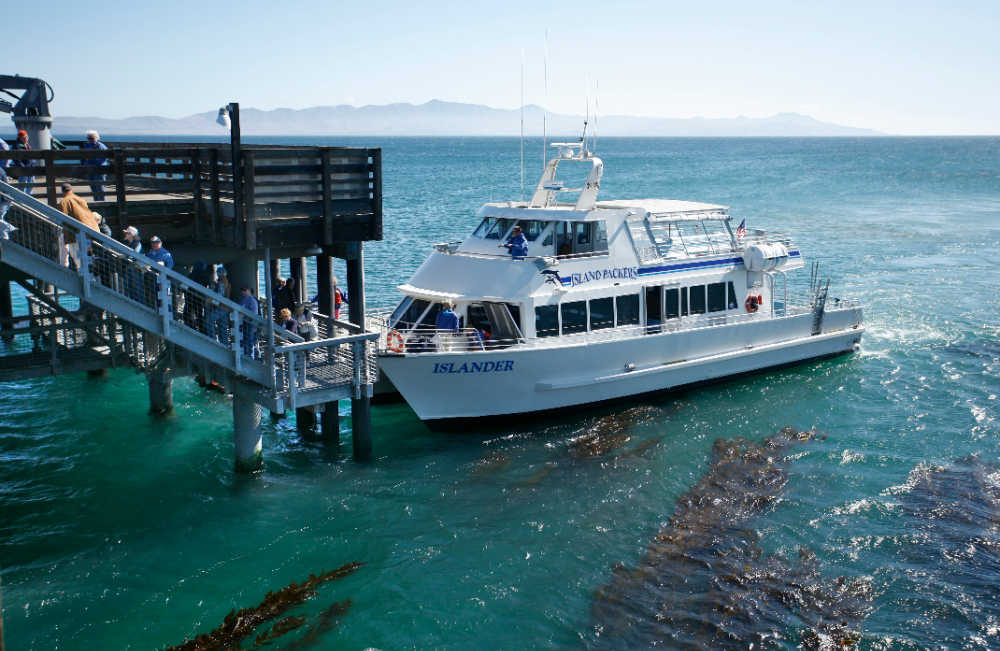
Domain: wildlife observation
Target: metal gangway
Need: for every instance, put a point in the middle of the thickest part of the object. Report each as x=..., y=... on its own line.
x=155, y=318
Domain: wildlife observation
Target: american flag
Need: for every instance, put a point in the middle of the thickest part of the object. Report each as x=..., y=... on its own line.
x=741, y=230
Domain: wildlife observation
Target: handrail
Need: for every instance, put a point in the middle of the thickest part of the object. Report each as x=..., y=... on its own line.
x=323, y=343
x=53, y=215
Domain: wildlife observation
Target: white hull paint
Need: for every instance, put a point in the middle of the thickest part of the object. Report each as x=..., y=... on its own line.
x=441, y=386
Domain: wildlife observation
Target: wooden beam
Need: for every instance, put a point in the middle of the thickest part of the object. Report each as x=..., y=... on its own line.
x=249, y=194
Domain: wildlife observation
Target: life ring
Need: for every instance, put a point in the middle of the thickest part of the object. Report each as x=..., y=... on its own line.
x=752, y=303
x=394, y=341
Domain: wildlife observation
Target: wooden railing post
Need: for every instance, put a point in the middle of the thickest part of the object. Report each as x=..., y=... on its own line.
x=377, y=193
x=249, y=197
x=327, y=207
x=50, y=178
x=196, y=178
x=120, y=189
x=216, y=199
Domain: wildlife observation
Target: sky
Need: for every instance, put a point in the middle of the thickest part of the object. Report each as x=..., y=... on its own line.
x=899, y=67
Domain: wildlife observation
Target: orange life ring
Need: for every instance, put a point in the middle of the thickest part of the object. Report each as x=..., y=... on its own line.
x=394, y=341
x=752, y=303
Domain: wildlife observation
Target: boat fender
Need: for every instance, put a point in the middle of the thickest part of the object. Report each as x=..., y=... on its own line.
x=752, y=303
x=394, y=341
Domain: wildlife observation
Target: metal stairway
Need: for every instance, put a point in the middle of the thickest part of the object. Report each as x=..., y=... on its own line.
x=151, y=316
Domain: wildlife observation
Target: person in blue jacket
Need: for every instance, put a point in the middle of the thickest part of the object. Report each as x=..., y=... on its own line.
x=97, y=177
x=446, y=318
x=160, y=254
x=517, y=244
x=247, y=329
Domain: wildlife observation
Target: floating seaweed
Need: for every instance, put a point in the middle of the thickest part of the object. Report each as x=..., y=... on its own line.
x=328, y=620
x=953, y=544
x=239, y=624
x=704, y=580
x=610, y=432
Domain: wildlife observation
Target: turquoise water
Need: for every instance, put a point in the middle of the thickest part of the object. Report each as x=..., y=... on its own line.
x=122, y=530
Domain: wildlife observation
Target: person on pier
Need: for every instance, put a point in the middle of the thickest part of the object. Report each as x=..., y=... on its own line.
x=25, y=183
x=73, y=205
x=248, y=331
x=96, y=178
x=159, y=254
x=287, y=322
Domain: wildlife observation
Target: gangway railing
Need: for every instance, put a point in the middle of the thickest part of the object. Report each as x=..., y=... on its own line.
x=154, y=300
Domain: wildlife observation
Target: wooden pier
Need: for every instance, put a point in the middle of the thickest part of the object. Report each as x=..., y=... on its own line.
x=231, y=204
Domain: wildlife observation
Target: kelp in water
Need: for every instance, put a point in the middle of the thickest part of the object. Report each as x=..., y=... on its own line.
x=239, y=624
x=704, y=580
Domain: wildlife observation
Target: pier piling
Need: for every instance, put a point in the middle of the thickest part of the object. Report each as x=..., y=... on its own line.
x=6, y=311
x=161, y=392
x=330, y=423
x=247, y=439
x=361, y=421
x=305, y=422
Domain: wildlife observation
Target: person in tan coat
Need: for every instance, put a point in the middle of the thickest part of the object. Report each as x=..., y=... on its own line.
x=74, y=206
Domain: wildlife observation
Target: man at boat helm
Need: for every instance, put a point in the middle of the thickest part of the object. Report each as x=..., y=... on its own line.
x=517, y=244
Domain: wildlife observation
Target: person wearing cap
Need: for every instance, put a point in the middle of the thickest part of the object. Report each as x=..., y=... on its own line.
x=96, y=177
x=73, y=205
x=159, y=254
x=25, y=182
x=131, y=238
x=517, y=244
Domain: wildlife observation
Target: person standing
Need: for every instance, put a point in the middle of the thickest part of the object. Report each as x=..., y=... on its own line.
x=447, y=320
x=97, y=177
x=131, y=235
x=287, y=322
x=247, y=329
x=159, y=254
x=517, y=244
x=5, y=227
x=25, y=182
x=73, y=205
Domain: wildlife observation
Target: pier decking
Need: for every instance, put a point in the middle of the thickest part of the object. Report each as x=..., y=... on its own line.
x=119, y=308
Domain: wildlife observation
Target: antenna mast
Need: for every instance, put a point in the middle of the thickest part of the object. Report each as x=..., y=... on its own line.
x=545, y=108
x=597, y=110
x=522, y=124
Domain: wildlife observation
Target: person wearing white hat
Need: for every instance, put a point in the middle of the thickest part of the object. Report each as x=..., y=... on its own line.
x=132, y=239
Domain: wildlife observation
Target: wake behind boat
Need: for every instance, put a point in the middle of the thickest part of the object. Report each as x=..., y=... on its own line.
x=597, y=300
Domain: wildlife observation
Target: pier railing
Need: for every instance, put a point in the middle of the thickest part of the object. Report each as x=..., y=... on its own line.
x=185, y=191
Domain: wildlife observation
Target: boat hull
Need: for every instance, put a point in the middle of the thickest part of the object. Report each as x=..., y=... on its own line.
x=465, y=385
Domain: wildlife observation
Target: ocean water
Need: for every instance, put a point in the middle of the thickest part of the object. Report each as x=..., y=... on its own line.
x=620, y=527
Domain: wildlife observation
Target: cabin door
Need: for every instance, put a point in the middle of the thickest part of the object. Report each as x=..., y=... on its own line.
x=654, y=308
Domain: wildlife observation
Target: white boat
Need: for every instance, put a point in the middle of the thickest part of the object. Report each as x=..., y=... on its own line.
x=612, y=299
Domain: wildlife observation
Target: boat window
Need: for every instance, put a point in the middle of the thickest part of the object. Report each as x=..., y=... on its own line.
x=628, y=309
x=698, y=299
x=430, y=319
x=600, y=236
x=478, y=318
x=654, y=305
x=484, y=227
x=717, y=297
x=549, y=234
x=499, y=229
x=584, y=237
x=546, y=320
x=400, y=309
x=515, y=314
x=532, y=228
x=574, y=317
x=671, y=307
x=505, y=328
x=684, y=301
x=564, y=238
x=733, y=304
x=602, y=313
x=412, y=313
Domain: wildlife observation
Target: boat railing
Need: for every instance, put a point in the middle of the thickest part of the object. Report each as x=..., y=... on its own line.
x=451, y=248
x=419, y=339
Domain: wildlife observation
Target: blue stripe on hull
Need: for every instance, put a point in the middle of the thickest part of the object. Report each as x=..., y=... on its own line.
x=687, y=266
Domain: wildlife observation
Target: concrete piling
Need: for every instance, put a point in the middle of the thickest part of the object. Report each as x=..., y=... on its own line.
x=247, y=439
x=161, y=392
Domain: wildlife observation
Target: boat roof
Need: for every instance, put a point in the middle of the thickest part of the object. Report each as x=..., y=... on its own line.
x=658, y=207
x=661, y=206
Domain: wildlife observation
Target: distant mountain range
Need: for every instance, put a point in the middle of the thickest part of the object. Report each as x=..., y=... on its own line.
x=437, y=118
